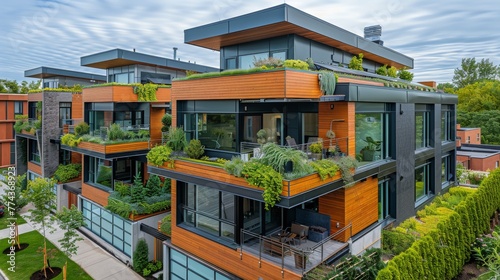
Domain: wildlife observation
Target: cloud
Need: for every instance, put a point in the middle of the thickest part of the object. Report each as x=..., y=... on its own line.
x=56, y=33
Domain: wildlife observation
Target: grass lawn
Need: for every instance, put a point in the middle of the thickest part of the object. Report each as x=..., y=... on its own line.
x=28, y=260
x=4, y=222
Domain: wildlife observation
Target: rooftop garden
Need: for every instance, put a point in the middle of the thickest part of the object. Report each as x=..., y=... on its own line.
x=145, y=92
x=389, y=76
x=73, y=89
x=266, y=170
x=114, y=134
x=139, y=199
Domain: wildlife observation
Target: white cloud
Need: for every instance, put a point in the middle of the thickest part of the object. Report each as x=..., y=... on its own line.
x=56, y=33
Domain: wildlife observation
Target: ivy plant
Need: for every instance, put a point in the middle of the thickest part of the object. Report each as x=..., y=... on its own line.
x=264, y=176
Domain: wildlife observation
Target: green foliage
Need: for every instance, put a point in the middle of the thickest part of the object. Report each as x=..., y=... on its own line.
x=119, y=207
x=69, y=221
x=137, y=191
x=392, y=72
x=153, y=186
x=310, y=62
x=316, y=148
x=82, y=128
x=21, y=123
x=365, y=266
x=347, y=166
x=166, y=224
x=141, y=253
x=356, y=62
x=71, y=140
x=405, y=75
x=115, y=132
x=395, y=242
x=166, y=120
x=327, y=82
x=446, y=87
x=488, y=121
x=277, y=157
x=14, y=192
x=268, y=63
x=382, y=70
x=264, y=176
x=75, y=89
x=194, y=149
x=296, y=64
x=146, y=92
x=8, y=86
x=64, y=173
x=122, y=189
x=159, y=155
x=471, y=72
x=325, y=168
x=234, y=166
x=176, y=139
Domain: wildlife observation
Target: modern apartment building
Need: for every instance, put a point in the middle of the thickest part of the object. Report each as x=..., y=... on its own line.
x=11, y=105
x=220, y=226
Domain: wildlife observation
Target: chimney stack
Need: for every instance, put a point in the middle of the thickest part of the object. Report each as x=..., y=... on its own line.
x=175, y=53
x=373, y=33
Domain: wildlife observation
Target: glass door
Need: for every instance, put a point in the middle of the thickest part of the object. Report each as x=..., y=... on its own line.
x=272, y=123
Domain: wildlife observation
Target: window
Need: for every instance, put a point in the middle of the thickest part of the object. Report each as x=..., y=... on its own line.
x=422, y=183
x=373, y=122
x=64, y=157
x=496, y=164
x=279, y=55
x=110, y=227
x=446, y=170
x=32, y=111
x=383, y=199
x=184, y=267
x=422, y=126
x=64, y=112
x=123, y=74
x=98, y=171
x=468, y=140
x=478, y=138
x=246, y=61
x=215, y=131
x=33, y=152
x=18, y=108
x=231, y=63
x=447, y=127
x=209, y=210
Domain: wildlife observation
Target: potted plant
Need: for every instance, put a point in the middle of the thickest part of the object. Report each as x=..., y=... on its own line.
x=316, y=149
x=369, y=150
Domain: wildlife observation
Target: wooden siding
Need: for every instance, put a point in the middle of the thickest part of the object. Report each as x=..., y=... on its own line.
x=95, y=194
x=120, y=94
x=77, y=106
x=155, y=124
x=290, y=188
x=36, y=168
x=76, y=158
x=357, y=205
x=246, y=267
x=114, y=148
x=343, y=116
x=274, y=84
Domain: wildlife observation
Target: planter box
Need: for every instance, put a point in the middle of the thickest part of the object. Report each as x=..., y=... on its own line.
x=120, y=94
x=114, y=148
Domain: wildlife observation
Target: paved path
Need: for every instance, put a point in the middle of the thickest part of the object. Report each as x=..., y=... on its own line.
x=98, y=263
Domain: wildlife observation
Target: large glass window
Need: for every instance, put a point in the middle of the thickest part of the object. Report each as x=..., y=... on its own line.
x=422, y=182
x=99, y=172
x=373, y=121
x=383, y=199
x=64, y=112
x=246, y=61
x=32, y=111
x=185, y=267
x=422, y=126
x=209, y=210
x=98, y=119
x=110, y=227
x=123, y=74
x=64, y=157
x=18, y=107
x=34, y=152
x=446, y=170
x=447, y=126
x=215, y=131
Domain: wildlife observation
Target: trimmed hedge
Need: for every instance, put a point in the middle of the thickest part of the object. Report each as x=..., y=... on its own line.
x=444, y=249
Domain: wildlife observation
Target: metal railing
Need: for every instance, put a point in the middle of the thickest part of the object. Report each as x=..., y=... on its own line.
x=304, y=259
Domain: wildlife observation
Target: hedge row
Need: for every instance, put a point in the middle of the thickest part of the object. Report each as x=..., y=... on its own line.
x=442, y=252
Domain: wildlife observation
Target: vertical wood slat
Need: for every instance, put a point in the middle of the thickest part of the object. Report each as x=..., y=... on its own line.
x=343, y=114
x=96, y=195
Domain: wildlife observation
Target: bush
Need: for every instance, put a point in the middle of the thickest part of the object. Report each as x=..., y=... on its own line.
x=159, y=155
x=166, y=225
x=404, y=74
x=268, y=63
x=234, y=166
x=122, y=188
x=296, y=64
x=264, y=176
x=382, y=70
x=153, y=186
x=392, y=72
x=166, y=120
x=177, y=139
x=137, y=191
x=194, y=149
x=70, y=140
x=140, y=257
x=394, y=242
x=82, y=128
x=356, y=62
x=115, y=132
x=64, y=173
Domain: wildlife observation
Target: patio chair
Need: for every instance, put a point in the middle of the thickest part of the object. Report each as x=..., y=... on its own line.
x=300, y=231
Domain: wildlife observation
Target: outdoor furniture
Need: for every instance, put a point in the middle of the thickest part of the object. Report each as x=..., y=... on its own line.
x=300, y=231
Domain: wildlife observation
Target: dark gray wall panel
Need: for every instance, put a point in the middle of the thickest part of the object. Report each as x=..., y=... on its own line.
x=301, y=48
x=423, y=97
x=437, y=148
x=321, y=53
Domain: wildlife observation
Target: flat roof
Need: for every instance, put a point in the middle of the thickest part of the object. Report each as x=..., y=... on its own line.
x=468, y=128
x=120, y=57
x=476, y=154
x=283, y=20
x=48, y=72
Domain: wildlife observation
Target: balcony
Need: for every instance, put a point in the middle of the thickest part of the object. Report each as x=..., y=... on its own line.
x=125, y=93
x=27, y=126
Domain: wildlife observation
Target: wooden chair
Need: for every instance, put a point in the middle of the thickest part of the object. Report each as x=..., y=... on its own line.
x=300, y=231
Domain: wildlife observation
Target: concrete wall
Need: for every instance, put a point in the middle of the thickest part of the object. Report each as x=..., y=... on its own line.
x=371, y=239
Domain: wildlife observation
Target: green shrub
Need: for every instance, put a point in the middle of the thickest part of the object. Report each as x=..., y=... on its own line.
x=395, y=242
x=356, y=62
x=234, y=166
x=194, y=149
x=296, y=64
x=325, y=168
x=64, y=173
x=141, y=256
x=159, y=155
x=177, y=139
x=122, y=188
x=143, y=134
x=153, y=186
x=392, y=72
x=70, y=140
x=404, y=74
x=82, y=128
x=166, y=120
x=268, y=63
x=137, y=191
x=146, y=92
x=115, y=132
x=264, y=176
x=166, y=224
x=277, y=156
x=382, y=70
x=119, y=207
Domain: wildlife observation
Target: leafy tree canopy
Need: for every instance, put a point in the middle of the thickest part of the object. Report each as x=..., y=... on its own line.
x=480, y=96
x=471, y=71
x=447, y=87
x=488, y=121
x=9, y=86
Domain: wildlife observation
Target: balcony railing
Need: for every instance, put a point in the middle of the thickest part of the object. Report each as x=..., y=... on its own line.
x=69, y=125
x=299, y=258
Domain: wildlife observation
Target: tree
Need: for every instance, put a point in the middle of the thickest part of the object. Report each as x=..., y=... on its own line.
x=141, y=255
x=153, y=186
x=40, y=194
x=26, y=87
x=447, y=87
x=405, y=75
x=137, y=192
x=15, y=201
x=69, y=221
x=356, y=62
x=480, y=96
x=470, y=72
x=9, y=86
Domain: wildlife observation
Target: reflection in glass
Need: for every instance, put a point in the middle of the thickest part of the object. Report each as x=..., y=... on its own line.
x=421, y=182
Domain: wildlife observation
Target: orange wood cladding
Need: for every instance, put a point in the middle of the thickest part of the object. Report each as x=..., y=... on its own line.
x=290, y=188
x=273, y=84
x=113, y=148
x=35, y=97
x=155, y=124
x=357, y=205
x=120, y=94
x=344, y=125
x=76, y=157
x=77, y=106
x=358, y=81
x=222, y=256
x=35, y=168
x=95, y=194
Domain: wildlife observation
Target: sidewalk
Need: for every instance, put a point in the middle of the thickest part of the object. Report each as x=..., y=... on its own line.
x=98, y=263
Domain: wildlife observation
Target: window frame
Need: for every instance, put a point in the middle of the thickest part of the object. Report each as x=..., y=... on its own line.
x=425, y=111
x=18, y=108
x=426, y=183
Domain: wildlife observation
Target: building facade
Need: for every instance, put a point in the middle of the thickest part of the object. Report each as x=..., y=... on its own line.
x=11, y=105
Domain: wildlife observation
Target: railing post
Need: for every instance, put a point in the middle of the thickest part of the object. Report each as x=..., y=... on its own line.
x=241, y=244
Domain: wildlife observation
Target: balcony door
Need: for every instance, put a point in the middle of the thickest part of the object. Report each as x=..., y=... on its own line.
x=272, y=123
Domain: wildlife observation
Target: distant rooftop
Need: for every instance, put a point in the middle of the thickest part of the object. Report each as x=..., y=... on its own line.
x=48, y=72
x=467, y=128
x=283, y=20
x=478, y=150
x=120, y=57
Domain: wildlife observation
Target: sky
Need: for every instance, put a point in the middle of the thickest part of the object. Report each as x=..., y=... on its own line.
x=56, y=33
